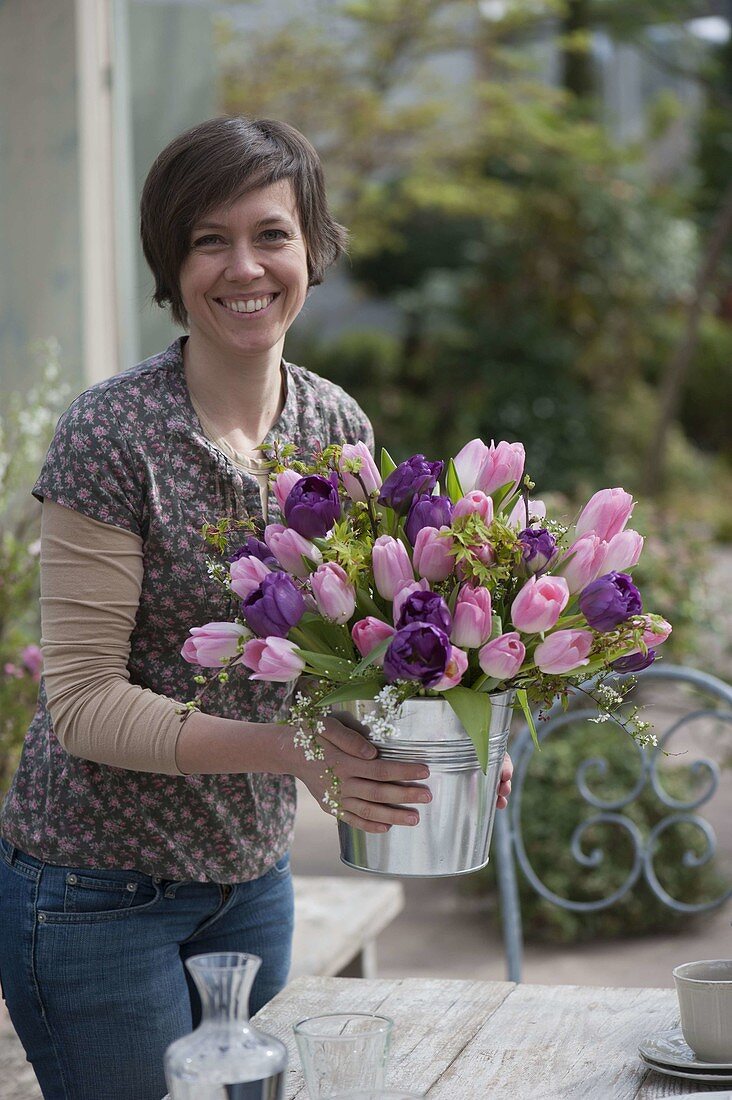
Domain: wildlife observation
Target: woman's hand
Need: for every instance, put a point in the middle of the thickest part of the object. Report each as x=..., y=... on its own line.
x=371, y=793
x=504, y=787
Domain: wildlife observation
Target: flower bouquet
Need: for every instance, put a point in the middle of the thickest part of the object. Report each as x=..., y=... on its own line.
x=427, y=580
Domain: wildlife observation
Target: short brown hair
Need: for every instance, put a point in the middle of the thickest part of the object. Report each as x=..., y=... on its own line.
x=217, y=162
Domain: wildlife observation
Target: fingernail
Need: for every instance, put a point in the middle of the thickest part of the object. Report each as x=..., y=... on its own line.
x=424, y=773
x=369, y=751
x=382, y=828
x=412, y=819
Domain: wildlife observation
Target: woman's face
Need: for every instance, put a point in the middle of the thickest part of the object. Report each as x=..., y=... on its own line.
x=245, y=278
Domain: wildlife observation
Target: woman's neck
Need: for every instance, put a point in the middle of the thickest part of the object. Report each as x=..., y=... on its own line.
x=240, y=398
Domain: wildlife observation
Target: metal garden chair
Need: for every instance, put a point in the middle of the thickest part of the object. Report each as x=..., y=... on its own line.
x=685, y=707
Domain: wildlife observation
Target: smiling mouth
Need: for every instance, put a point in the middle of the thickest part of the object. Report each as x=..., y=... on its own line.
x=249, y=307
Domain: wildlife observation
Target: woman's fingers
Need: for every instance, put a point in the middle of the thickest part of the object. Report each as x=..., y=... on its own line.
x=396, y=794
x=347, y=740
x=376, y=813
x=362, y=823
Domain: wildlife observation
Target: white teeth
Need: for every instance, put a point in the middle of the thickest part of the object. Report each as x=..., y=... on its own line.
x=253, y=305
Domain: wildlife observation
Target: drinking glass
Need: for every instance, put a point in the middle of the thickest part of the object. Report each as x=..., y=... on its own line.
x=343, y=1052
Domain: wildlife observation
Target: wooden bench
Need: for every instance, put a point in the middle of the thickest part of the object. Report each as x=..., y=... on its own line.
x=337, y=921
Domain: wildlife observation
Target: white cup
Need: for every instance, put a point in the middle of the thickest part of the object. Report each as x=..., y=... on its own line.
x=705, y=1000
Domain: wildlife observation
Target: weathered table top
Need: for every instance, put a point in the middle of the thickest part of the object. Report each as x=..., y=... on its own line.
x=456, y=1040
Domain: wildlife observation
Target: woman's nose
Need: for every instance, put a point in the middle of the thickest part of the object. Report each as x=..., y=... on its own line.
x=244, y=265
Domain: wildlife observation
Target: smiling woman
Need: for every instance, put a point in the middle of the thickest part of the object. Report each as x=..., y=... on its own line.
x=130, y=833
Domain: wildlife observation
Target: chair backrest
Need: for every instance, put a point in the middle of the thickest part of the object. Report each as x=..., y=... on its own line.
x=686, y=708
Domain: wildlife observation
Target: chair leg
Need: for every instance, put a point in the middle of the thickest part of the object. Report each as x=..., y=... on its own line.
x=508, y=896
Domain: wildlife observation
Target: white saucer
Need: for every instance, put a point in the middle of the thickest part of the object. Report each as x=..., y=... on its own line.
x=671, y=1049
x=690, y=1074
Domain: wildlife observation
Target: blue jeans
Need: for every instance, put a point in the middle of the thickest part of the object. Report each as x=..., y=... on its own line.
x=91, y=963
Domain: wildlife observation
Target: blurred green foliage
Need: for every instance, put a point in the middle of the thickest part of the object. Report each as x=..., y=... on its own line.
x=551, y=811
x=26, y=427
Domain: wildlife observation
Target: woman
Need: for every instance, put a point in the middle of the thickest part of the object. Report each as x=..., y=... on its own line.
x=130, y=839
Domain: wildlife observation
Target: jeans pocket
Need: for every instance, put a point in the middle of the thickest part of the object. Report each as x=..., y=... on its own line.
x=70, y=895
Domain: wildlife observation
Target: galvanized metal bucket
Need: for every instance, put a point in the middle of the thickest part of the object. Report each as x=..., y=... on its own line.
x=454, y=832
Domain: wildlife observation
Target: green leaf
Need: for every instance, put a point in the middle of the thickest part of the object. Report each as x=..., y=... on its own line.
x=387, y=463
x=366, y=605
x=452, y=483
x=366, y=689
x=473, y=708
x=332, y=668
x=335, y=638
x=378, y=651
x=524, y=702
x=499, y=495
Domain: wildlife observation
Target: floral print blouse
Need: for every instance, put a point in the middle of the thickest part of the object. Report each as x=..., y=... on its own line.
x=131, y=452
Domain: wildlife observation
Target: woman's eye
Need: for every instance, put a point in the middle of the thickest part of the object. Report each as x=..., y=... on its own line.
x=272, y=235
x=211, y=237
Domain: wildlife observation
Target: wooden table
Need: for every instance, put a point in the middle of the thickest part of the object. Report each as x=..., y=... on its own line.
x=479, y=1040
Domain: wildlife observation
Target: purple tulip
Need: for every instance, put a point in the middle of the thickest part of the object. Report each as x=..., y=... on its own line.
x=610, y=601
x=275, y=607
x=313, y=506
x=634, y=662
x=539, y=547
x=414, y=476
x=425, y=607
x=255, y=548
x=427, y=511
x=419, y=651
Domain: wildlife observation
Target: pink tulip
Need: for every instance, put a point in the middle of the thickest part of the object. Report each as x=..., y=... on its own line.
x=391, y=565
x=517, y=516
x=503, y=465
x=457, y=662
x=368, y=633
x=247, y=573
x=539, y=604
x=405, y=590
x=605, y=514
x=334, y=593
x=282, y=485
x=273, y=659
x=469, y=462
x=623, y=552
x=563, y=651
x=213, y=644
x=290, y=548
x=368, y=472
x=475, y=502
x=432, y=557
x=502, y=657
x=471, y=620
x=583, y=562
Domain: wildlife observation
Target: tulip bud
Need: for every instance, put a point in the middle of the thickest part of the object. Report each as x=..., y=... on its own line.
x=539, y=604
x=475, y=502
x=583, y=562
x=503, y=465
x=605, y=514
x=518, y=516
x=290, y=548
x=609, y=601
x=502, y=657
x=563, y=651
x=214, y=644
x=391, y=566
x=246, y=574
x=472, y=622
x=427, y=511
x=368, y=479
x=283, y=483
x=273, y=659
x=368, y=633
x=623, y=551
x=469, y=462
x=432, y=554
x=406, y=590
x=334, y=593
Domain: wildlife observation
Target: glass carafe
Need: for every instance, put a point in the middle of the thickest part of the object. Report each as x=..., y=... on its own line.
x=225, y=1058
